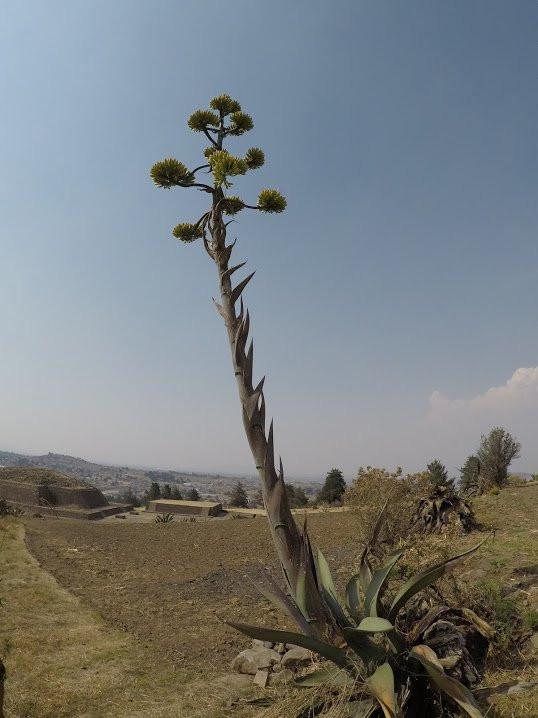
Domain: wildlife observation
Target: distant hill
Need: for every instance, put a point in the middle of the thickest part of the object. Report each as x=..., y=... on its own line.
x=55, y=462
x=34, y=475
x=117, y=481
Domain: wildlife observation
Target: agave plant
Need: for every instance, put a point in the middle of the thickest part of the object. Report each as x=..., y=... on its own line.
x=442, y=508
x=386, y=662
x=164, y=518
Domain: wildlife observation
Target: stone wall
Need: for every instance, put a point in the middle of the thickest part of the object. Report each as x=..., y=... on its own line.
x=19, y=493
x=187, y=508
x=86, y=498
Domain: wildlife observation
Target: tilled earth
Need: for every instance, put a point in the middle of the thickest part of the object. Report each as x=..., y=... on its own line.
x=173, y=585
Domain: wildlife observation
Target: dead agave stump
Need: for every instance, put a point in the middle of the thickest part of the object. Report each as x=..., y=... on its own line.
x=444, y=508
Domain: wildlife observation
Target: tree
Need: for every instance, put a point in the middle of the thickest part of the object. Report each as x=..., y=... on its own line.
x=469, y=473
x=437, y=473
x=238, y=496
x=333, y=488
x=129, y=497
x=222, y=121
x=495, y=454
x=296, y=496
x=167, y=492
x=154, y=491
x=176, y=494
x=193, y=495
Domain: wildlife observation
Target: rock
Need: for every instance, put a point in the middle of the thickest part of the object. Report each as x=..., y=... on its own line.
x=251, y=660
x=261, y=678
x=264, y=644
x=296, y=658
x=533, y=640
x=281, y=678
x=521, y=687
x=280, y=648
x=232, y=682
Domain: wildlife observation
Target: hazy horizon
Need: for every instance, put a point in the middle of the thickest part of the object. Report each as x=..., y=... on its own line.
x=394, y=305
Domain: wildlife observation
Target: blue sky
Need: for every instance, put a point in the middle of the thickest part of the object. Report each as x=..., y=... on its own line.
x=397, y=290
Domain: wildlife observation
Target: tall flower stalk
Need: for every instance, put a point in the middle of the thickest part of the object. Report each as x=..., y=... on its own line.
x=222, y=121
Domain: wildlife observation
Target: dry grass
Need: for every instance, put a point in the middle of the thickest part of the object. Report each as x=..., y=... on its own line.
x=33, y=475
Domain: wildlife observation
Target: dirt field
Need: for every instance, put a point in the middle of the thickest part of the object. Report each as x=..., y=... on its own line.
x=172, y=585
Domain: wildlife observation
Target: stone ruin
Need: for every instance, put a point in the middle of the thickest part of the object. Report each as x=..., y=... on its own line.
x=49, y=493
x=185, y=508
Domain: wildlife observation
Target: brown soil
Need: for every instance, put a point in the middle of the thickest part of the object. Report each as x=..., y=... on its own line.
x=173, y=585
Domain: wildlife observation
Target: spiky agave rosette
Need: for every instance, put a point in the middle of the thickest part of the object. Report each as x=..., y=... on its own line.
x=398, y=665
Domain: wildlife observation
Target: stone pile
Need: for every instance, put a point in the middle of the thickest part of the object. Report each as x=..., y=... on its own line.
x=272, y=664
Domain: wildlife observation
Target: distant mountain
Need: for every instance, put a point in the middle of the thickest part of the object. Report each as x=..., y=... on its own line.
x=116, y=480
x=57, y=462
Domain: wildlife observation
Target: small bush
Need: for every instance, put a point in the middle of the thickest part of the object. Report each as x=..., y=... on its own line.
x=164, y=519
x=8, y=510
x=374, y=486
x=503, y=612
x=529, y=619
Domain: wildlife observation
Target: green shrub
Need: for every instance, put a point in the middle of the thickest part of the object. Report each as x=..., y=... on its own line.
x=372, y=488
x=503, y=612
x=8, y=510
x=529, y=619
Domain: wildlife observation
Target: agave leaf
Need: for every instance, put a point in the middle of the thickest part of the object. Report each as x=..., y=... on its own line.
x=373, y=624
x=379, y=524
x=300, y=592
x=279, y=599
x=365, y=571
x=306, y=562
x=332, y=675
x=484, y=627
x=381, y=685
x=328, y=591
x=363, y=646
x=325, y=577
x=377, y=582
x=353, y=597
x=336, y=655
x=453, y=688
x=427, y=578
x=397, y=643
